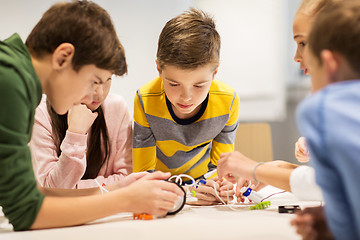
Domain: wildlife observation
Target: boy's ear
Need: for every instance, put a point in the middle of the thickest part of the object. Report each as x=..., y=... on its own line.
x=157, y=66
x=62, y=56
x=216, y=71
x=331, y=64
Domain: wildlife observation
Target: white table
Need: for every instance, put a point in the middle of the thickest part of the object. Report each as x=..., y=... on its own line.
x=211, y=222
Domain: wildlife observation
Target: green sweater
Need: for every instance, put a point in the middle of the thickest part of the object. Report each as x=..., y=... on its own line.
x=20, y=93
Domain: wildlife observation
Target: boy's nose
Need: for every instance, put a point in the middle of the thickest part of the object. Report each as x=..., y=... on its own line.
x=186, y=95
x=99, y=90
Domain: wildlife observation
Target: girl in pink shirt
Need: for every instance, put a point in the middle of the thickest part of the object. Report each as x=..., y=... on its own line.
x=92, y=141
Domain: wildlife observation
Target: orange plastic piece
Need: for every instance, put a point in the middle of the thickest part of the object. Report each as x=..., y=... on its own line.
x=142, y=216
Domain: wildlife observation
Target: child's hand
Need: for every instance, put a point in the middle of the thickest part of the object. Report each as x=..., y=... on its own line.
x=233, y=165
x=80, y=119
x=310, y=223
x=301, y=151
x=153, y=196
x=226, y=189
x=205, y=194
x=132, y=177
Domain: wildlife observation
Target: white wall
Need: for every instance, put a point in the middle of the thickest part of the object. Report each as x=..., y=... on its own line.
x=253, y=57
x=254, y=54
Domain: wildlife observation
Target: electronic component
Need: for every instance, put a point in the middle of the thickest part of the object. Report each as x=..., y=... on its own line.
x=289, y=208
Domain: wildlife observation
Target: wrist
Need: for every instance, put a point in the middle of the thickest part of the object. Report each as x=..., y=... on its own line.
x=254, y=172
x=77, y=131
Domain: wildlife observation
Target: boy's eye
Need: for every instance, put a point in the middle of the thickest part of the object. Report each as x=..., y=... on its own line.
x=198, y=86
x=173, y=84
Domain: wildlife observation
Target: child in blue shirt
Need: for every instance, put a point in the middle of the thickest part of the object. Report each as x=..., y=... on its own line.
x=330, y=120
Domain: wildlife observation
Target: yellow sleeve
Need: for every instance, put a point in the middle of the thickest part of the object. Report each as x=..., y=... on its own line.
x=144, y=144
x=224, y=142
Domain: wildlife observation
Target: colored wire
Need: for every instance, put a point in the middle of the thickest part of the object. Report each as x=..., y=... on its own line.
x=102, y=189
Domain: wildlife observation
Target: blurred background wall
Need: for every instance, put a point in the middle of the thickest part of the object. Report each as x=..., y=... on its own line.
x=256, y=53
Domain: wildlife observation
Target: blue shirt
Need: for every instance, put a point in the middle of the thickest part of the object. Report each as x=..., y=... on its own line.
x=330, y=121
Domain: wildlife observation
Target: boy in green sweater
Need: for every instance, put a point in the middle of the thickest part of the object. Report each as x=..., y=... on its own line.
x=73, y=48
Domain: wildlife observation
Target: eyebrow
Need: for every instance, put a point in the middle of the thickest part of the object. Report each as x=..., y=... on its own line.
x=101, y=81
x=200, y=82
x=297, y=36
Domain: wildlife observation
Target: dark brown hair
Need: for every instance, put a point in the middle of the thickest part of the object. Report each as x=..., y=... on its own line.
x=188, y=41
x=98, y=150
x=85, y=25
x=337, y=28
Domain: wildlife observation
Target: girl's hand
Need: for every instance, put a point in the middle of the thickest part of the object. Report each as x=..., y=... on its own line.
x=301, y=151
x=233, y=165
x=129, y=179
x=80, y=119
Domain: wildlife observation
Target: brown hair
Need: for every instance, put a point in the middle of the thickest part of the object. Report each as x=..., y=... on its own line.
x=337, y=28
x=313, y=7
x=98, y=151
x=188, y=41
x=85, y=25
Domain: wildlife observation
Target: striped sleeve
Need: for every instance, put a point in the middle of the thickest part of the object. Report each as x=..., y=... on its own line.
x=144, y=144
x=224, y=141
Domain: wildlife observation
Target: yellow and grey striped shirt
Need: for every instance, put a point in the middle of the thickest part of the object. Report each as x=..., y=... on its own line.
x=169, y=144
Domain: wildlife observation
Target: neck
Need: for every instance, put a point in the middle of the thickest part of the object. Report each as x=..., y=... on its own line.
x=346, y=71
x=43, y=70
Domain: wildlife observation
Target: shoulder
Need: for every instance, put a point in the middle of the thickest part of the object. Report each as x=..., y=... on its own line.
x=221, y=93
x=114, y=102
x=115, y=107
x=308, y=111
x=42, y=115
x=218, y=87
x=152, y=88
x=10, y=79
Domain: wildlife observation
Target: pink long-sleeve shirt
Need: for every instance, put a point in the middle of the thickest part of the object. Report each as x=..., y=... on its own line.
x=66, y=170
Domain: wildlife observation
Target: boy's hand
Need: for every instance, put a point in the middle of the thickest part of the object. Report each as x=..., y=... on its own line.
x=206, y=193
x=153, y=196
x=80, y=119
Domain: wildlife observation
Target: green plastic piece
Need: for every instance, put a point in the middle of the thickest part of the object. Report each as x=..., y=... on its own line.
x=261, y=205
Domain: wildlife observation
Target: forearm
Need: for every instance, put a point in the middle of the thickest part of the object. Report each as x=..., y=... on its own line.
x=275, y=176
x=62, y=212
x=110, y=180
x=62, y=171
x=60, y=192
